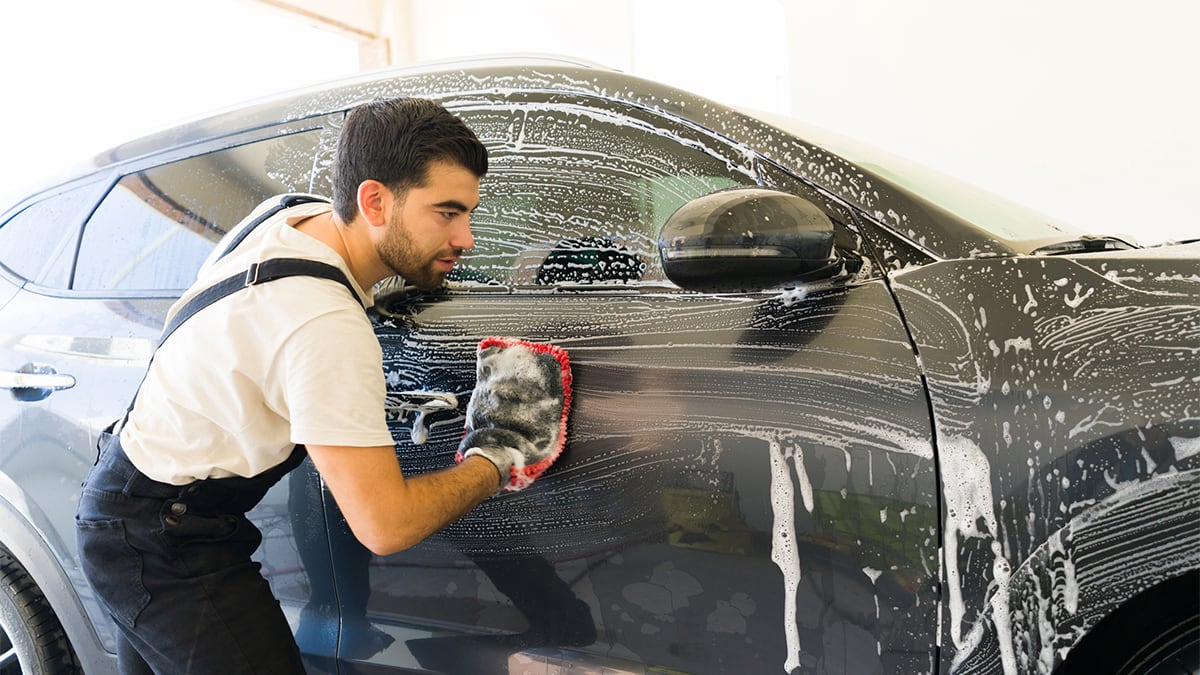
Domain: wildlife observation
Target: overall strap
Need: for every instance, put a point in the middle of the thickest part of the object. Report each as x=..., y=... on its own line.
x=268, y=270
x=285, y=202
x=259, y=273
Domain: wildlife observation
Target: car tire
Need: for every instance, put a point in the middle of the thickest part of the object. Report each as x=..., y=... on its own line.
x=1155, y=633
x=32, y=641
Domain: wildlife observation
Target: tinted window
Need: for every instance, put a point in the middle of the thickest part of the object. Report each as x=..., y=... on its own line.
x=155, y=227
x=39, y=242
x=577, y=196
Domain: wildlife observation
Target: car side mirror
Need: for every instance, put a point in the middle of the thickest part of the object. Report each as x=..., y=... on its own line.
x=747, y=239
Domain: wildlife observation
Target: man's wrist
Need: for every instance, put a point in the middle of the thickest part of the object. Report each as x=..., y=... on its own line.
x=499, y=458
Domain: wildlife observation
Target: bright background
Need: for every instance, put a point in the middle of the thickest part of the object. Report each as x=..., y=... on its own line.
x=1087, y=110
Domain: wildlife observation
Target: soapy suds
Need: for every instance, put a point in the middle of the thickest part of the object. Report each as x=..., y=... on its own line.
x=968, y=502
x=784, y=552
x=873, y=575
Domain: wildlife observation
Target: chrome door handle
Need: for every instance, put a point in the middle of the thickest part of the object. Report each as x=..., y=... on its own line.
x=400, y=403
x=34, y=381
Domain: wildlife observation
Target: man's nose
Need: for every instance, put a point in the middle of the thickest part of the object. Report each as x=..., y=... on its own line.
x=462, y=237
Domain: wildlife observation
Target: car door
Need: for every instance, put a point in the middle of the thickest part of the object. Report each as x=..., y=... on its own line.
x=748, y=483
x=88, y=314
x=44, y=437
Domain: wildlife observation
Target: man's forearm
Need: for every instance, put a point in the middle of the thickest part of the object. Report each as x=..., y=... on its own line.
x=387, y=511
x=439, y=498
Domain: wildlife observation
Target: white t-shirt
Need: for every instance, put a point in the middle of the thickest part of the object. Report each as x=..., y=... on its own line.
x=289, y=361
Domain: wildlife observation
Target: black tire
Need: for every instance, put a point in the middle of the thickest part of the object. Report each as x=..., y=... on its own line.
x=1155, y=633
x=32, y=641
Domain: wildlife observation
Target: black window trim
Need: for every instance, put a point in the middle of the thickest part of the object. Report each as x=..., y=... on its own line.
x=317, y=123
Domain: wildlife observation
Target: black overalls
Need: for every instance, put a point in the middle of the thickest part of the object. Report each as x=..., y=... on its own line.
x=172, y=564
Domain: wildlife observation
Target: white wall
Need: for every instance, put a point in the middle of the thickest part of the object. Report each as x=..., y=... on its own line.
x=706, y=46
x=1086, y=110
x=81, y=75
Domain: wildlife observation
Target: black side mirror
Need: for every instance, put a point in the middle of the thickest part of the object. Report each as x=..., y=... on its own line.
x=747, y=239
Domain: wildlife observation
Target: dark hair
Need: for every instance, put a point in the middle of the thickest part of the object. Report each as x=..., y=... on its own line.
x=394, y=141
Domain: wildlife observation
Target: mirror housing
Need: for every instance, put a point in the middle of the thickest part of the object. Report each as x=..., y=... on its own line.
x=747, y=239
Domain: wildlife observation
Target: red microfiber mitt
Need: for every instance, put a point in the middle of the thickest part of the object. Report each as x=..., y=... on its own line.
x=517, y=417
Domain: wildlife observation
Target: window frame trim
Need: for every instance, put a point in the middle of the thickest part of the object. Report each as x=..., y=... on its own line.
x=320, y=123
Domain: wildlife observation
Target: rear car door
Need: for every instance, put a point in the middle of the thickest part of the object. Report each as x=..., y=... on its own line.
x=748, y=483
x=45, y=441
x=90, y=273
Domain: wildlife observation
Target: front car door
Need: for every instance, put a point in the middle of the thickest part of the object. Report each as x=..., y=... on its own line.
x=748, y=483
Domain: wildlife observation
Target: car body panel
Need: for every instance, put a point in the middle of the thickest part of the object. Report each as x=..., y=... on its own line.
x=724, y=457
x=48, y=445
x=1069, y=382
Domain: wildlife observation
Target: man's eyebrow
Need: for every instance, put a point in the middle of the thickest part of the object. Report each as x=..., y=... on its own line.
x=452, y=205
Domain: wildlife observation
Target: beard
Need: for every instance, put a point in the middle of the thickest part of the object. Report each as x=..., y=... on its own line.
x=399, y=252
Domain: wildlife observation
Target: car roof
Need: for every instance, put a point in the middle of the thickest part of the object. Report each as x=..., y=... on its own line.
x=460, y=83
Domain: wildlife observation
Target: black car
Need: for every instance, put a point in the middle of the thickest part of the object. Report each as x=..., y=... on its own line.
x=832, y=414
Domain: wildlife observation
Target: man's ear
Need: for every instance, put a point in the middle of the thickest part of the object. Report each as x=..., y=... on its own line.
x=375, y=201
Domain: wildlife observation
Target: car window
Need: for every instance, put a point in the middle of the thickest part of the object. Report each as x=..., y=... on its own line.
x=38, y=243
x=576, y=196
x=155, y=227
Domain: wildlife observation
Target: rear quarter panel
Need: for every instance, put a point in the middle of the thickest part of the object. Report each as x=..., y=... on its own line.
x=1064, y=392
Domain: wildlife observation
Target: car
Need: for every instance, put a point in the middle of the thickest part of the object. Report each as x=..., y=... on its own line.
x=833, y=413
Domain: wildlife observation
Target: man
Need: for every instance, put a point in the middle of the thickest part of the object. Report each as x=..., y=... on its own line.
x=238, y=391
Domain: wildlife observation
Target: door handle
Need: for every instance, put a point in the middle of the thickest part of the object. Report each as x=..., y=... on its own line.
x=34, y=381
x=400, y=403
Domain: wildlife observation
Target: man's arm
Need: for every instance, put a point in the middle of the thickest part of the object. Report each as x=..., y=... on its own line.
x=514, y=430
x=388, y=512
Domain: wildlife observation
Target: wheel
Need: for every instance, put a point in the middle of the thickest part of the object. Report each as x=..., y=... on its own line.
x=1155, y=633
x=1175, y=652
x=32, y=641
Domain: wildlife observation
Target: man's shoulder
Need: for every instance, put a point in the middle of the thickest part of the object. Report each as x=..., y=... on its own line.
x=271, y=213
x=308, y=297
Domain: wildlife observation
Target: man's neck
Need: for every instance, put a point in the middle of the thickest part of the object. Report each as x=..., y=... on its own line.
x=342, y=239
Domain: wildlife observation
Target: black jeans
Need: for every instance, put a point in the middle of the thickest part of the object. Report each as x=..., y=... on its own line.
x=172, y=566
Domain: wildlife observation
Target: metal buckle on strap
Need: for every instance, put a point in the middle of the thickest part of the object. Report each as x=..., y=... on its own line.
x=252, y=275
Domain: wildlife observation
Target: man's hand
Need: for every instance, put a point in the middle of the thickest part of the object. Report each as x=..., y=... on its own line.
x=517, y=416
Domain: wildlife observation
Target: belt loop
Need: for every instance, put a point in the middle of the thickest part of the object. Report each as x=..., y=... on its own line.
x=252, y=275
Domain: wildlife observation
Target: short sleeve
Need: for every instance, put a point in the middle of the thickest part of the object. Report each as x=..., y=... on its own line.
x=331, y=383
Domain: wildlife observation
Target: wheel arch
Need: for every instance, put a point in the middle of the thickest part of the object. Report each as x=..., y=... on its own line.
x=23, y=541
x=1086, y=572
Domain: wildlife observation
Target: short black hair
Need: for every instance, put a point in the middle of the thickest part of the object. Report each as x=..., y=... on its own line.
x=394, y=141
